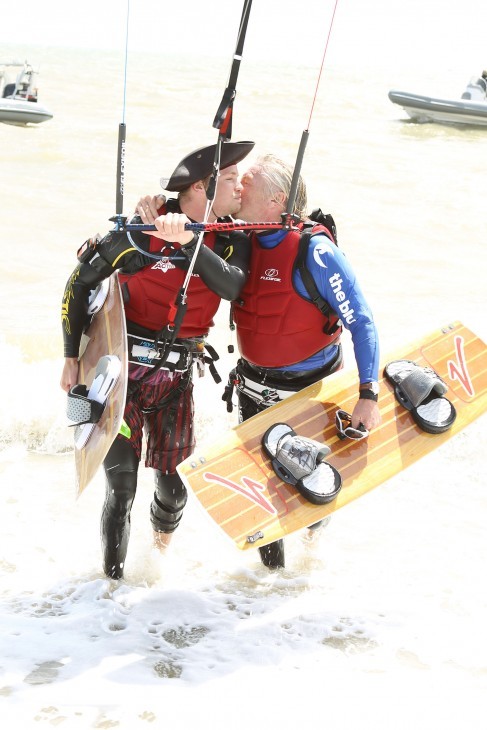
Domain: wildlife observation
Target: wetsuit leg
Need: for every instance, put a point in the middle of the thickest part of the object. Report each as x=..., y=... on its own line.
x=121, y=465
x=272, y=555
x=170, y=497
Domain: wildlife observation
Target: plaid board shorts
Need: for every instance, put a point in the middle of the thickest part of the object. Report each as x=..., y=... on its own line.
x=165, y=411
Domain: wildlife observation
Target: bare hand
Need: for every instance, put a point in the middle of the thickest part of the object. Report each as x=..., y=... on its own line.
x=170, y=227
x=148, y=209
x=366, y=412
x=69, y=377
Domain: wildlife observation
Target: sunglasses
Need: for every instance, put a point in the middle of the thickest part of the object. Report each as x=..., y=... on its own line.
x=343, y=421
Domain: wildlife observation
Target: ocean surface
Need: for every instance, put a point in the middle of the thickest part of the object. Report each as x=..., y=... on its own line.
x=382, y=622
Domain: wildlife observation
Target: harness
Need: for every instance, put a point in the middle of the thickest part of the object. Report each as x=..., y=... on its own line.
x=149, y=355
x=147, y=352
x=265, y=386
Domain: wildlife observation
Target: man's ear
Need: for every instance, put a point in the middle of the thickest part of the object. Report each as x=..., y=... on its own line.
x=198, y=186
x=280, y=199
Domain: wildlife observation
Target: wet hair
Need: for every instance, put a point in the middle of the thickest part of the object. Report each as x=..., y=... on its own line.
x=278, y=176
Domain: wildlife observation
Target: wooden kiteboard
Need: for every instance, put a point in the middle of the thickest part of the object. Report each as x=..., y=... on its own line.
x=106, y=335
x=234, y=481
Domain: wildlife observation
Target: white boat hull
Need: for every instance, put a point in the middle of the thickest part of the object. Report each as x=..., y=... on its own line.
x=444, y=111
x=21, y=113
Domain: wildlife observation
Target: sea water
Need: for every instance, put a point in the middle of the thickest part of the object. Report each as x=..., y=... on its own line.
x=379, y=623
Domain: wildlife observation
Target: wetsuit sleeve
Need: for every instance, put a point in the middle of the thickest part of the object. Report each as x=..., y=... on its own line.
x=225, y=269
x=113, y=252
x=338, y=285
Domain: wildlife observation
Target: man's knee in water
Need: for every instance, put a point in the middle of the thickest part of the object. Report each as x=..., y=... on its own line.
x=170, y=498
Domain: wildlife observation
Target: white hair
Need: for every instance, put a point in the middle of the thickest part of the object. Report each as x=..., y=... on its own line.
x=278, y=176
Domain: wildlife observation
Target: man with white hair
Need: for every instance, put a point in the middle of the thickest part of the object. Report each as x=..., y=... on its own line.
x=300, y=293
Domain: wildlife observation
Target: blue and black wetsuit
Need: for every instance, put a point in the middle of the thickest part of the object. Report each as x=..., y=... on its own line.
x=268, y=304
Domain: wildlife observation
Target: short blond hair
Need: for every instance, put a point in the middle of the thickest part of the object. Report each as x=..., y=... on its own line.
x=278, y=176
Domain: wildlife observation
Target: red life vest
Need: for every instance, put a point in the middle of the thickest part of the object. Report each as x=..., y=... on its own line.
x=276, y=326
x=153, y=290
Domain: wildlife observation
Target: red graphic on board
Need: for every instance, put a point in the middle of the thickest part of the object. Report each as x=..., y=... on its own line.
x=251, y=490
x=458, y=370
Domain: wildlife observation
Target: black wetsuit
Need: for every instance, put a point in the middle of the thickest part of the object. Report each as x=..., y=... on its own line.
x=162, y=403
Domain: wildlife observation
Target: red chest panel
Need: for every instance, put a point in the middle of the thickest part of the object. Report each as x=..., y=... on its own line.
x=277, y=327
x=153, y=290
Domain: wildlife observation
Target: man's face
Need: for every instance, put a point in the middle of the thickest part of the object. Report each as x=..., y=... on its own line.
x=228, y=192
x=256, y=202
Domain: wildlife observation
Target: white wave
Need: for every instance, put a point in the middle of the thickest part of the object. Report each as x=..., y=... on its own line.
x=33, y=404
